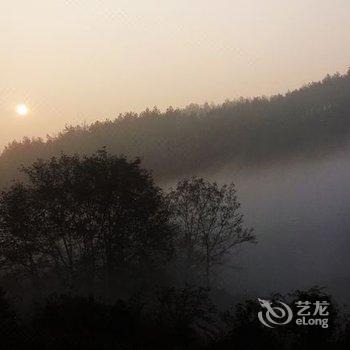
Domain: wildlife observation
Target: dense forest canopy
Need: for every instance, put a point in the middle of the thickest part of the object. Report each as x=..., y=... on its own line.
x=310, y=121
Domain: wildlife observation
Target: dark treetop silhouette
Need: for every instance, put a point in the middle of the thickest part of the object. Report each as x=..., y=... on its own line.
x=98, y=223
x=84, y=220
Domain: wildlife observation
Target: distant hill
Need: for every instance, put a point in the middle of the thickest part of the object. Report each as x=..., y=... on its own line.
x=309, y=122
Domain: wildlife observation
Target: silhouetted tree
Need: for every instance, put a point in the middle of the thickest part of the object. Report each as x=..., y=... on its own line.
x=208, y=222
x=87, y=220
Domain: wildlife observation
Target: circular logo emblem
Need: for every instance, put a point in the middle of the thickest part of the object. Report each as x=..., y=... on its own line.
x=278, y=315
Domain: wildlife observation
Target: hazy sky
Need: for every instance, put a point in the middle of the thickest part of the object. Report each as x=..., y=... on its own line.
x=72, y=61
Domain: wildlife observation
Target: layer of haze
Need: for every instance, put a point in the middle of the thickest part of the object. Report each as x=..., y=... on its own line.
x=72, y=61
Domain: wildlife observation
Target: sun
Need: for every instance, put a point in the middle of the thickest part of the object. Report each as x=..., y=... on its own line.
x=22, y=110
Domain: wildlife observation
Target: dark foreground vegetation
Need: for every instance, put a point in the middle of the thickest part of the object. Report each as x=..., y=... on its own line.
x=309, y=122
x=93, y=255
x=171, y=318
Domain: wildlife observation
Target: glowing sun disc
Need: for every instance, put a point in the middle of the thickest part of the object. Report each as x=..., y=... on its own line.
x=22, y=109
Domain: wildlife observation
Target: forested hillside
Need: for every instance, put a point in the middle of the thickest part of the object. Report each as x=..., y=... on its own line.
x=309, y=122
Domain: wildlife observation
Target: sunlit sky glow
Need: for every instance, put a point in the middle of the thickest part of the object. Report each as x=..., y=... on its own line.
x=22, y=110
x=82, y=60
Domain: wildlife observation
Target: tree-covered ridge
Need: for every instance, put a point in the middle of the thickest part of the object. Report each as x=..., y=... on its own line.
x=312, y=120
